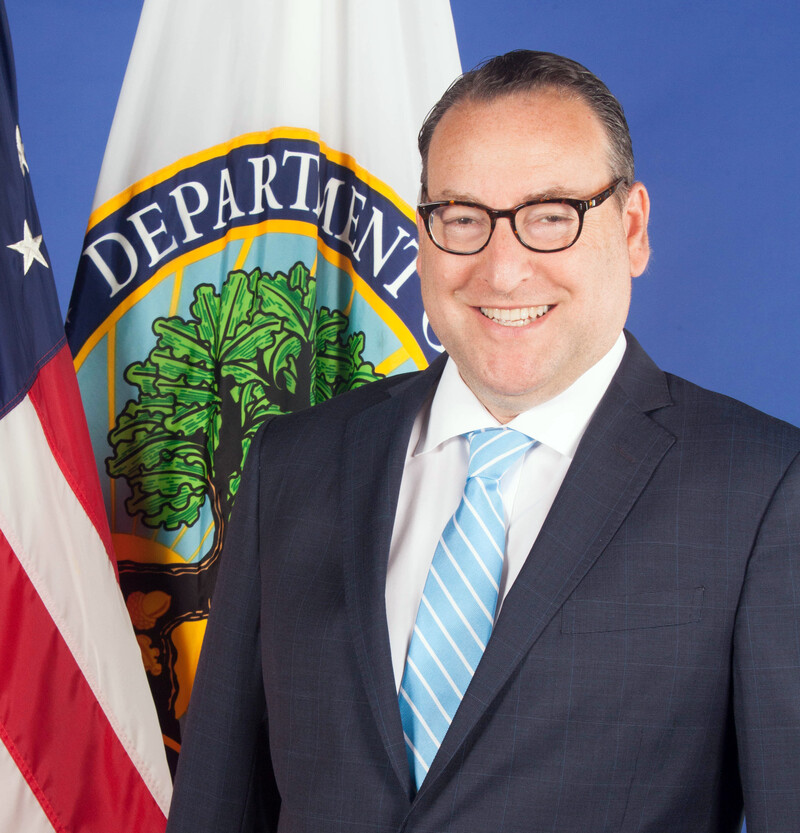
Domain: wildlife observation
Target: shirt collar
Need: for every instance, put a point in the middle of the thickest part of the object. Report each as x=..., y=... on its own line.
x=558, y=423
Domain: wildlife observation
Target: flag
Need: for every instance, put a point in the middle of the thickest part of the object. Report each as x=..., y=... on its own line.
x=251, y=251
x=80, y=749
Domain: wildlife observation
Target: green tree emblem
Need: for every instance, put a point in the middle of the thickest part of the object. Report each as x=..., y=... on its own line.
x=256, y=348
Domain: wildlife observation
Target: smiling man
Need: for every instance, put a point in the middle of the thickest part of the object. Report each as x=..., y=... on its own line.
x=541, y=586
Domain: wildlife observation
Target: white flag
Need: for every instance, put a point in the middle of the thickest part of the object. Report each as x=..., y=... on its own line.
x=251, y=251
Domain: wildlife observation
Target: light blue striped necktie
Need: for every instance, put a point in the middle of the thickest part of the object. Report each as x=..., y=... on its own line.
x=456, y=613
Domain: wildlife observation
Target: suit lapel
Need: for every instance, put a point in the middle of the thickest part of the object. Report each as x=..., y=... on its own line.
x=375, y=446
x=620, y=450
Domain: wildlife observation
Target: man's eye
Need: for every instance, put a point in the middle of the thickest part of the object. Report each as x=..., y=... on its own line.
x=460, y=219
x=553, y=219
x=546, y=219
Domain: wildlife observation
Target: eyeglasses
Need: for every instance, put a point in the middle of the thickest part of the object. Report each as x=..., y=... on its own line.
x=547, y=225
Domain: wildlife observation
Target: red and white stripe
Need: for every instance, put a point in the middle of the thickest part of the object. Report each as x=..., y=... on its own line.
x=81, y=750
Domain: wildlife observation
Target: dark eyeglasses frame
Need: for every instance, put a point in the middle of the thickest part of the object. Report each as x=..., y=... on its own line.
x=426, y=209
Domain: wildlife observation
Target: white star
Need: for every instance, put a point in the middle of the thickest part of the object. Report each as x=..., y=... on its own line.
x=28, y=247
x=23, y=162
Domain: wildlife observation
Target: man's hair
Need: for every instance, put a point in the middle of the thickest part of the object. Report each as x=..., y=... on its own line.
x=524, y=71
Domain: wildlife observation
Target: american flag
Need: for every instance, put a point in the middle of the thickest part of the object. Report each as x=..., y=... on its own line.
x=80, y=749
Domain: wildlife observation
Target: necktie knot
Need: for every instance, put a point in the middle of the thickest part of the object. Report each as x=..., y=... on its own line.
x=492, y=451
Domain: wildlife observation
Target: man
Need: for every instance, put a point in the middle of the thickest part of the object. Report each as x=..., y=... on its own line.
x=638, y=663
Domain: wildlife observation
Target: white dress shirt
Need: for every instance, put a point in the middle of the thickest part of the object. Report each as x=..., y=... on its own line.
x=436, y=469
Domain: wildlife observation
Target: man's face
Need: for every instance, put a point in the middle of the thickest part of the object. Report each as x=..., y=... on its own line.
x=572, y=303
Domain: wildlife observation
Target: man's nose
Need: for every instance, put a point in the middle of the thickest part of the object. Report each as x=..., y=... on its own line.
x=508, y=263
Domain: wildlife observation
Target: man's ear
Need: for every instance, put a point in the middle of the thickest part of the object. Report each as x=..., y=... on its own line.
x=635, y=216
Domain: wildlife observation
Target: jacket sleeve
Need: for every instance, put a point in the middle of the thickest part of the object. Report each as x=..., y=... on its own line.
x=224, y=779
x=766, y=667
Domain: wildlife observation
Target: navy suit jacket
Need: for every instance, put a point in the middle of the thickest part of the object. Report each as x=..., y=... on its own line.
x=643, y=674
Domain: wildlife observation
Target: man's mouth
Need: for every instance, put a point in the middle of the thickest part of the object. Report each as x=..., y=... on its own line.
x=515, y=317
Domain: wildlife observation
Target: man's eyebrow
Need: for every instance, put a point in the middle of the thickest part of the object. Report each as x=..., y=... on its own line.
x=555, y=192
x=457, y=196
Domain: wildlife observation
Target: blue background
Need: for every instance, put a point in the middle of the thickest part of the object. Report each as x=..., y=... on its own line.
x=711, y=95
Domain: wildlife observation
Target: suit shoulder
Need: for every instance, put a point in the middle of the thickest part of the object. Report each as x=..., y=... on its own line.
x=346, y=405
x=700, y=411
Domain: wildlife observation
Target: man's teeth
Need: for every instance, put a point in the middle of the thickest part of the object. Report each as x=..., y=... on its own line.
x=515, y=317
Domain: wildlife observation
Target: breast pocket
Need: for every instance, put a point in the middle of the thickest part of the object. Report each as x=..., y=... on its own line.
x=657, y=609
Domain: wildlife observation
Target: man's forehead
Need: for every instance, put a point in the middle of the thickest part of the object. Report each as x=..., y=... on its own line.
x=536, y=112
x=544, y=133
